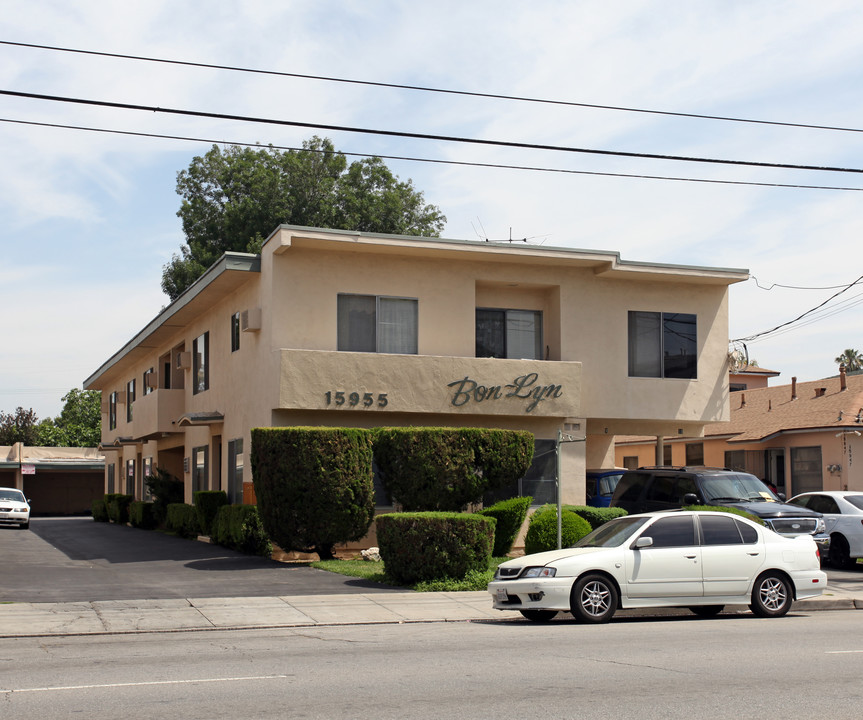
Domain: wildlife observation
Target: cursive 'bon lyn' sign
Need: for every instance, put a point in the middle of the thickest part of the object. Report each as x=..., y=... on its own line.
x=524, y=387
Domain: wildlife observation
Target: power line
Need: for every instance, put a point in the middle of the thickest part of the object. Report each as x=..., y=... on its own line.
x=465, y=163
x=421, y=88
x=421, y=136
x=799, y=317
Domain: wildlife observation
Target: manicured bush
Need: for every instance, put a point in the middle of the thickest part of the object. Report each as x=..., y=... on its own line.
x=165, y=489
x=731, y=510
x=417, y=547
x=183, y=520
x=449, y=468
x=207, y=504
x=314, y=486
x=99, y=508
x=141, y=515
x=118, y=507
x=542, y=530
x=239, y=527
x=510, y=515
x=596, y=516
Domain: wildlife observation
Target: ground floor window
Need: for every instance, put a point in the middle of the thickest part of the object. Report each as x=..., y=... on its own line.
x=200, y=468
x=111, y=479
x=695, y=453
x=235, y=471
x=146, y=471
x=806, y=469
x=130, y=477
x=539, y=482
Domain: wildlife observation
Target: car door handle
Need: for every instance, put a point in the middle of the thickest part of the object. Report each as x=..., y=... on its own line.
x=753, y=554
x=691, y=557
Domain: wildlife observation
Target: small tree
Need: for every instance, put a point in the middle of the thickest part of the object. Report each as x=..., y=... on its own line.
x=314, y=486
x=20, y=426
x=851, y=359
x=166, y=490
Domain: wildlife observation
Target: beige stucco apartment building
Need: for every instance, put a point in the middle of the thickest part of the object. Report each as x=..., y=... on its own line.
x=337, y=328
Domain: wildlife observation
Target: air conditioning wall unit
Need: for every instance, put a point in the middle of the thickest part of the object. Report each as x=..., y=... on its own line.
x=250, y=320
x=151, y=380
x=184, y=360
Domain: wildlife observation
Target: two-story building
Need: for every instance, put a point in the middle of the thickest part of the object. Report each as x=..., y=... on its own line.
x=337, y=328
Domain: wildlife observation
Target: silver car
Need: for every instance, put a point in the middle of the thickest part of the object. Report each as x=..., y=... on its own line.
x=843, y=520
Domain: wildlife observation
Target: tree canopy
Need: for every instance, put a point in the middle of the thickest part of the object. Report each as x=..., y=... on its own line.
x=851, y=359
x=79, y=423
x=234, y=197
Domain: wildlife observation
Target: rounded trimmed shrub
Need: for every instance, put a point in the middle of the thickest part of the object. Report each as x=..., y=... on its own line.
x=542, y=531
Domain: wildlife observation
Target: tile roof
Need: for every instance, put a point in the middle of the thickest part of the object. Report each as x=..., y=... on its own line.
x=820, y=404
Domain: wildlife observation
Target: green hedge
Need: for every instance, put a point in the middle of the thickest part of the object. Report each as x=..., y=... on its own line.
x=417, y=547
x=448, y=468
x=165, y=489
x=314, y=486
x=239, y=527
x=542, y=531
x=141, y=515
x=596, y=516
x=510, y=515
x=207, y=504
x=118, y=507
x=183, y=520
x=99, y=508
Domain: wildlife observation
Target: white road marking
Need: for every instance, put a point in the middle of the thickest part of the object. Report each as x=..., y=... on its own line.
x=151, y=682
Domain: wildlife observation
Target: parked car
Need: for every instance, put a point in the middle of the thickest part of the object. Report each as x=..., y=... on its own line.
x=600, y=486
x=843, y=518
x=14, y=508
x=702, y=560
x=666, y=488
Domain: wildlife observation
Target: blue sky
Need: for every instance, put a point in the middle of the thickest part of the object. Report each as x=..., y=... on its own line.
x=87, y=220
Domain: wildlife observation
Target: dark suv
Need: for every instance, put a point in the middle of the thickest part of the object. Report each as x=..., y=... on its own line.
x=667, y=488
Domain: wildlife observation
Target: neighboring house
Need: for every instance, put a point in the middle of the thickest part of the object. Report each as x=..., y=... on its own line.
x=337, y=328
x=56, y=480
x=750, y=377
x=799, y=437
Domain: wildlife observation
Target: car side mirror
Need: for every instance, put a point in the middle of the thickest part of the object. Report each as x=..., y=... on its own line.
x=781, y=496
x=643, y=542
x=691, y=499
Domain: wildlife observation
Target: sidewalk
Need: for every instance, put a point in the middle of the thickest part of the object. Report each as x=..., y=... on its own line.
x=137, y=616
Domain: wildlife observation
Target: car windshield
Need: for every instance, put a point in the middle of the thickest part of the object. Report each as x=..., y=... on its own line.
x=613, y=534
x=735, y=487
x=6, y=494
x=855, y=500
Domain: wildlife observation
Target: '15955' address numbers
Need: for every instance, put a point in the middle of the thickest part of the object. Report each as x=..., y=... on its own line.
x=343, y=398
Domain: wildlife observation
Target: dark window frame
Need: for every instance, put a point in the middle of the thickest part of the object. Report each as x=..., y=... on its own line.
x=503, y=339
x=652, y=336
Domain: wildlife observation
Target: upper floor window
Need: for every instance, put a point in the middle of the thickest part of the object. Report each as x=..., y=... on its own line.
x=370, y=323
x=112, y=411
x=663, y=345
x=149, y=381
x=201, y=363
x=130, y=398
x=513, y=334
x=235, y=332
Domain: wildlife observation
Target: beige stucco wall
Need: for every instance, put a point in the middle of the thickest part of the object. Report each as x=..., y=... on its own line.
x=282, y=371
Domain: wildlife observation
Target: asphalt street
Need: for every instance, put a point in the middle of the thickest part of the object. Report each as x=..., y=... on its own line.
x=74, y=559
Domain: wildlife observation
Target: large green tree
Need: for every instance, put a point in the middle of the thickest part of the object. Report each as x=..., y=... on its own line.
x=20, y=426
x=79, y=423
x=234, y=197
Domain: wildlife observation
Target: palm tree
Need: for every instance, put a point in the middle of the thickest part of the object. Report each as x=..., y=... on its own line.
x=851, y=359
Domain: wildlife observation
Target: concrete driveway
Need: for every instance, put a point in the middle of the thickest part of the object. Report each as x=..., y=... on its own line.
x=76, y=559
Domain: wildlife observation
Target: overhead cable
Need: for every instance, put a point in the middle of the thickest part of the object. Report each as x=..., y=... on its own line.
x=463, y=163
x=421, y=88
x=420, y=136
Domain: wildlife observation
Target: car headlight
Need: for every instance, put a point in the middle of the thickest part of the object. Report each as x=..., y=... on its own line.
x=820, y=527
x=535, y=572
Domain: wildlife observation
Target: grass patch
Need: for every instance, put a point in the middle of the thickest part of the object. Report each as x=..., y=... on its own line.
x=376, y=572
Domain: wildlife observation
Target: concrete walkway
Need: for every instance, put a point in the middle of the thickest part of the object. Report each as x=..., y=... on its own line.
x=28, y=619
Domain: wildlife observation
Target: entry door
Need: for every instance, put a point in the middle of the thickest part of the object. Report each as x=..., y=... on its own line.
x=671, y=567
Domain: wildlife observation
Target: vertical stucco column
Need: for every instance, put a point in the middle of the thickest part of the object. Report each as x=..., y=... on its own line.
x=600, y=451
x=572, y=469
x=660, y=449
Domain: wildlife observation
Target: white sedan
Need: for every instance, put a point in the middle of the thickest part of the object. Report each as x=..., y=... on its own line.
x=843, y=520
x=14, y=508
x=700, y=560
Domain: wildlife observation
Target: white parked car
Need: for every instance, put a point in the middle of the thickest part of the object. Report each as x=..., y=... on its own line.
x=14, y=508
x=843, y=520
x=700, y=560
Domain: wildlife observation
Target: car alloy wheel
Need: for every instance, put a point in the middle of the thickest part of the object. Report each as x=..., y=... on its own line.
x=839, y=553
x=593, y=599
x=771, y=596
